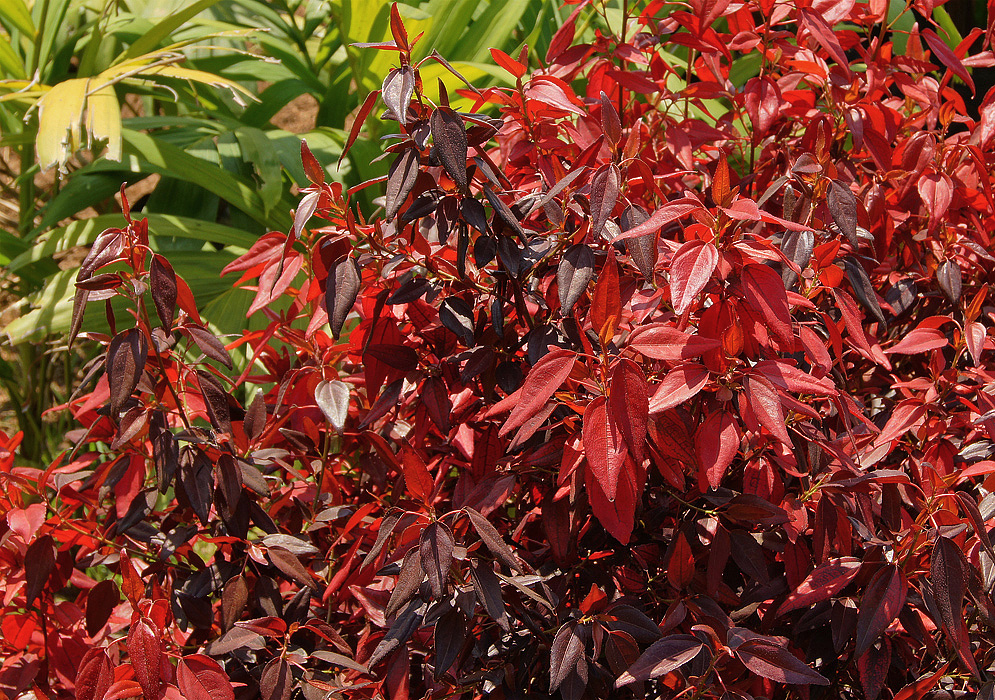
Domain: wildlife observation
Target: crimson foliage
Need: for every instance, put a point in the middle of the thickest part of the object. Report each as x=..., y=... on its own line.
x=645, y=382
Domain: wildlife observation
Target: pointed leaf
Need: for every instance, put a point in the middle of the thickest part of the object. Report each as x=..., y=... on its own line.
x=662, y=657
x=126, y=357
x=604, y=195
x=690, y=271
x=663, y=342
x=822, y=583
x=162, y=283
x=342, y=288
x=544, y=380
x=398, y=87
x=764, y=290
x=449, y=135
x=457, y=316
x=628, y=404
x=145, y=653
x=573, y=275
x=681, y=384
x=843, y=208
x=766, y=407
x=333, y=400
x=492, y=539
x=94, y=676
x=39, y=563
x=716, y=443
x=400, y=181
x=948, y=276
x=776, y=663
x=200, y=677
x=879, y=606
x=564, y=655
x=436, y=556
x=604, y=445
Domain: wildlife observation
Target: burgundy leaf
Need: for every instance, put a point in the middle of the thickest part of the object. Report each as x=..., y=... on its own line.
x=449, y=135
x=100, y=602
x=290, y=566
x=564, y=655
x=504, y=212
x=604, y=445
x=573, y=275
x=450, y=636
x=39, y=563
x=200, y=677
x=544, y=380
x=862, y=288
x=492, y=539
x=610, y=121
x=879, y=606
x=216, y=399
x=436, y=556
x=948, y=570
x=162, y=283
x=642, y=249
x=398, y=87
x=766, y=407
x=716, y=443
x=400, y=181
x=822, y=583
x=276, y=682
x=764, y=290
x=409, y=580
x=604, y=195
x=333, y=400
x=843, y=208
x=948, y=276
x=208, y=343
x=873, y=668
x=342, y=288
x=797, y=246
x=126, y=357
x=776, y=663
x=457, y=316
x=145, y=653
x=435, y=397
x=628, y=404
x=94, y=676
x=400, y=631
x=662, y=657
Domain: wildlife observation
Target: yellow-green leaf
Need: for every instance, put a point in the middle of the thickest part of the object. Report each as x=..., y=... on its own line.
x=103, y=120
x=17, y=14
x=60, y=119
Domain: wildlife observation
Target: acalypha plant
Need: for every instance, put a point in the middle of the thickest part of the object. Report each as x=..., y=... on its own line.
x=664, y=373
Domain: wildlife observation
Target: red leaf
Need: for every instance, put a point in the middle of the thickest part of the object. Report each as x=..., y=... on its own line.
x=763, y=102
x=94, y=676
x=948, y=570
x=680, y=566
x=822, y=583
x=764, y=291
x=604, y=445
x=824, y=34
x=936, y=190
x=628, y=405
x=662, y=657
x=790, y=378
x=436, y=545
x=145, y=652
x=690, y=271
x=661, y=217
x=716, y=443
x=276, y=683
x=357, y=125
x=905, y=415
x=879, y=606
x=974, y=338
x=766, y=407
x=919, y=340
x=947, y=56
x=312, y=168
x=606, y=306
x=565, y=654
x=545, y=378
x=508, y=63
x=768, y=660
x=681, y=384
x=200, y=677
x=417, y=478
x=616, y=516
x=664, y=342
x=39, y=563
x=873, y=668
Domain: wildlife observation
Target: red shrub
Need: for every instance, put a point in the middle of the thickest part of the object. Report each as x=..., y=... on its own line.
x=656, y=384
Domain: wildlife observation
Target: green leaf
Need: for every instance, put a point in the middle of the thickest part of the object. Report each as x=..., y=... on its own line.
x=16, y=12
x=258, y=150
x=151, y=39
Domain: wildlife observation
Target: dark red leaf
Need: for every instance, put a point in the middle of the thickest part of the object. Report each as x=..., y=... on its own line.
x=573, y=275
x=400, y=181
x=610, y=121
x=208, y=343
x=397, y=89
x=342, y=288
x=290, y=566
x=100, y=602
x=949, y=571
x=216, y=399
x=879, y=606
x=565, y=654
x=505, y=213
x=145, y=654
x=604, y=195
x=492, y=539
x=766, y=407
x=449, y=636
x=822, y=583
x=716, y=443
x=39, y=563
x=771, y=661
x=95, y=675
x=457, y=316
x=416, y=475
x=126, y=357
x=604, y=445
x=200, y=677
x=276, y=681
x=662, y=657
x=764, y=291
x=449, y=135
x=948, y=276
x=436, y=545
x=162, y=283
x=873, y=668
x=400, y=631
x=312, y=168
x=628, y=404
x=544, y=380
x=843, y=208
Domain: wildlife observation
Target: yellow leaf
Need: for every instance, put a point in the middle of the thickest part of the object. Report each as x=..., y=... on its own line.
x=196, y=76
x=60, y=118
x=103, y=120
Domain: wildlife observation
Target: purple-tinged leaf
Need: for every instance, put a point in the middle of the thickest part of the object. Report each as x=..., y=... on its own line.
x=126, y=357
x=948, y=276
x=610, y=121
x=397, y=89
x=436, y=546
x=333, y=400
x=604, y=195
x=776, y=663
x=162, y=283
x=400, y=181
x=492, y=539
x=39, y=563
x=822, y=583
x=662, y=657
x=449, y=135
x=573, y=275
x=208, y=343
x=862, y=288
x=565, y=654
x=879, y=605
x=642, y=249
x=342, y=288
x=843, y=208
x=691, y=270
